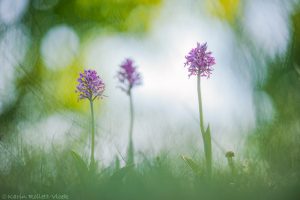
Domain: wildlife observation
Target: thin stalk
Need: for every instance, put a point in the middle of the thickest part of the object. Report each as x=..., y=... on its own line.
x=93, y=135
x=205, y=134
x=231, y=165
x=200, y=104
x=229, y=155
x=130, y=150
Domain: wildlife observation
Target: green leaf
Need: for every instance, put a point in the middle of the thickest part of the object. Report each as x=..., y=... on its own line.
x=80, y=164
x=208, y=149
x=207, y=135
x=192, y=164
x=120, y=174
x=207, y=143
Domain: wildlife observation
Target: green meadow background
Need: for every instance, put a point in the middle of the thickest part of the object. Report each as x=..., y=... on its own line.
x=251, y=101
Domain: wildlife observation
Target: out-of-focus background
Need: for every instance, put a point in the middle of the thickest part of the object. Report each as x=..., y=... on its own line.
x=251, y=101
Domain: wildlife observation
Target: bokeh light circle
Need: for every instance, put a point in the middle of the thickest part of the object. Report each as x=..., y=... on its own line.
x=59, y=47
x=12, y=10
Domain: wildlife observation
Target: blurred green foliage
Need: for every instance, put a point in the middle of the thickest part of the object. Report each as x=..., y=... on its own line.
x=118, y=15
x=65, y=173
x=278, y=142
x=227, y=10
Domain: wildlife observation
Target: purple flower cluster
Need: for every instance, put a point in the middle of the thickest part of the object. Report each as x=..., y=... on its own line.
x=200, y=61
x=128, y=76
x=90, y=85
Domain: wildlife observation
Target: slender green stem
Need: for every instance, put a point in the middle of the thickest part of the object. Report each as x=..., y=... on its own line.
x=229, y=155
x=205, y=133
x=200, y=104
x=231, y=165
x=130, y=150
x=131, y=116
x=93, y=135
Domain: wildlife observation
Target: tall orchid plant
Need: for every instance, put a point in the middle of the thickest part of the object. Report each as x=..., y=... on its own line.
x=90, y=86
x=129, y=78
x=200, y=62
